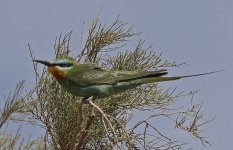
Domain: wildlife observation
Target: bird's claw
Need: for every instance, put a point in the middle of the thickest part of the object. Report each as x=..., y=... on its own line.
x=87, y=99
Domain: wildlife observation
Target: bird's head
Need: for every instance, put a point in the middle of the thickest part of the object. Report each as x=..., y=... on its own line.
x=59, y=68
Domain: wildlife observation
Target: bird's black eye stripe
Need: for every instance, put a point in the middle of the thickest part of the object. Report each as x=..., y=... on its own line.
x=63, y=64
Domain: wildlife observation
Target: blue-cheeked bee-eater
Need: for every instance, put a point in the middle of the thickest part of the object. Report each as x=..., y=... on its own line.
x=86, y=80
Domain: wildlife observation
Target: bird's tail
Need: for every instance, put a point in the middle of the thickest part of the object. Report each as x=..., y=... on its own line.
x=162, y=78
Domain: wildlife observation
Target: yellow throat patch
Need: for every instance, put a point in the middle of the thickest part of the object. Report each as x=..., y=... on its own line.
x=57, y=73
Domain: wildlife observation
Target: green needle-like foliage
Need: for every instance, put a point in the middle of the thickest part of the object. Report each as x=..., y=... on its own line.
x=70, y=124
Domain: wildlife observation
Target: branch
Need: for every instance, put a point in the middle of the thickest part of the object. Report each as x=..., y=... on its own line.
x=12, y=104
x=77, y=130
x=84, y=134
x=105, y=117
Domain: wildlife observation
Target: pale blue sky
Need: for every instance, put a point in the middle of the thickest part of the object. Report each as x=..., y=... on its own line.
x=199, y=32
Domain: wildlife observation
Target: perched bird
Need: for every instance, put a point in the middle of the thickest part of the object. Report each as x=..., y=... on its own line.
x=87, y=80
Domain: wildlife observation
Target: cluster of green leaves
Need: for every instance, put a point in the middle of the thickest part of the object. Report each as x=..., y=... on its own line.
x=71, y=125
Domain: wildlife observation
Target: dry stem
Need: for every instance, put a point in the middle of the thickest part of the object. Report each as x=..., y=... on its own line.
x=77, y=130
x=105, y=117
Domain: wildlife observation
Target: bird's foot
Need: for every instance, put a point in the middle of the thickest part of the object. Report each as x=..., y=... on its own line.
x=87, y=99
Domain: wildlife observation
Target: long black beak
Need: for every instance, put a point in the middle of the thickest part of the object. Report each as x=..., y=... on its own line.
x=46, y=63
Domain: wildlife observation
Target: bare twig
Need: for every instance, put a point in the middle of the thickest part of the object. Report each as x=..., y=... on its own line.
x=88, y=125
x=105, y=127
x=105, y=117
x=125, y=133
x=77, y=130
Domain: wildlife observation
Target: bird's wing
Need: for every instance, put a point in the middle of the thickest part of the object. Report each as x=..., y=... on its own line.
x=124, y=76
x=97, y=76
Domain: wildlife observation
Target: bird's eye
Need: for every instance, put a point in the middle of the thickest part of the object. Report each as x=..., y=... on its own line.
x=64, y=64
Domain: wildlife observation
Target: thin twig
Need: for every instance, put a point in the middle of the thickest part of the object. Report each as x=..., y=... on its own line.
x=105, y=117
x=77, y=130
x=88, y=125
x=124, y=130
x=105, y=127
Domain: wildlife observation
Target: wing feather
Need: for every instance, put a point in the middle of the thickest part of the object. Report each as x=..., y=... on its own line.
x=88, y=75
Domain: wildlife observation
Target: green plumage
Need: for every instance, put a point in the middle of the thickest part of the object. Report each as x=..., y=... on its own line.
x=87, y=80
